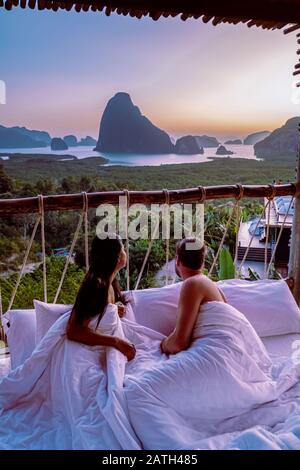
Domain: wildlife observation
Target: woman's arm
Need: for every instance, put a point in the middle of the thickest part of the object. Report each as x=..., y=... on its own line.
x=188, y=308
x=84, y=334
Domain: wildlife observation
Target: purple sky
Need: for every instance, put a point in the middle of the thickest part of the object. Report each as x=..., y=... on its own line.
x=187, y=77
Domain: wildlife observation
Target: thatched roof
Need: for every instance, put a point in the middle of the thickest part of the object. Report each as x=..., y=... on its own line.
x=269, y=14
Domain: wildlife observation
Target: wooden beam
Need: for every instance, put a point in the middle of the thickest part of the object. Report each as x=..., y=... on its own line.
x=294, y=261
x=266, y=13
x=66, y=202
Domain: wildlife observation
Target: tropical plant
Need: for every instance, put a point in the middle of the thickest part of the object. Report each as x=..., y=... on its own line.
x=226, y=265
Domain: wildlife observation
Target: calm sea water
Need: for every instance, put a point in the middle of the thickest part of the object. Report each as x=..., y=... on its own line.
x=240, y=151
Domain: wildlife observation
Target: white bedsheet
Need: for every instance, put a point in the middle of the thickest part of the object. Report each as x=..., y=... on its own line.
x=283, y=345
x=4, y=365
x=223, y=392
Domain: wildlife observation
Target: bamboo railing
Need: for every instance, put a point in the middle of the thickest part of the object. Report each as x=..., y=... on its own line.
x=63, y=202
x=84, y=201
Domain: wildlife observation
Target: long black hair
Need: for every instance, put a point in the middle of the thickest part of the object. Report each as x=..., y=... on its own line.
x=92, y=296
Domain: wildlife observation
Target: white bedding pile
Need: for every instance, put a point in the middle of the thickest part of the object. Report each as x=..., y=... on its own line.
x=223, y=392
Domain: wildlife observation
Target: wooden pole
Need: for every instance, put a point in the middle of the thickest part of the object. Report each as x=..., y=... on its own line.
x=2, y=334
x=294, y=261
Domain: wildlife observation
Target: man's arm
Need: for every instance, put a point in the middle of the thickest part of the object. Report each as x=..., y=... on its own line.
x=188, y=308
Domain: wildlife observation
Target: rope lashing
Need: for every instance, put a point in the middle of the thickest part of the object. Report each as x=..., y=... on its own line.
x=1, y=307
x=127, y=195
x=279, y=235
x=86, y=230
x=147, y=255
x=251, y=239
x=24, y=262
x=153, y=237
x=238, y=222
x=270, y=198
x=42, y=214
x=167, y=208
x=203, y=194
x=223, y=237
x=241, y=189
x=70, y=254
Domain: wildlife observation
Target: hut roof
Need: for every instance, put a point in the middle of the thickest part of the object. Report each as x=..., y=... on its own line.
x=269, y=14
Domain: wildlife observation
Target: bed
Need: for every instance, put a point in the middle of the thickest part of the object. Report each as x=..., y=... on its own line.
x=267, y=424
x=281, y=345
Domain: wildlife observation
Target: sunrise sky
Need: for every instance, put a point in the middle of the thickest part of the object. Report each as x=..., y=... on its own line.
x=187, y=77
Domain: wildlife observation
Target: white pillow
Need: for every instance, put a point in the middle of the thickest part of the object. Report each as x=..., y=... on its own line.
x=46, y=316
x=20, y=326
x=267, y=304
x=156, y=308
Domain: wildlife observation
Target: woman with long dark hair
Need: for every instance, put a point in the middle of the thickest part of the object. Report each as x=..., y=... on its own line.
x=98, y=289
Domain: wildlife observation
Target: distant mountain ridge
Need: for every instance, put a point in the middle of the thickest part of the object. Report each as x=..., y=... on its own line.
x=256, y=137
x=188, y=145
x=207, y=141
x=20, y=137
x=124, y=129
x=233, y=142
x=71, y=141
x=282, y=142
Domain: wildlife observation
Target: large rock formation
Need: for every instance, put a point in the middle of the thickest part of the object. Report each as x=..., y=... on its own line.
x=188, y=145
x=70, y=140
x=123, y=129
x=88, y=140
x=223, y=151
x=58, y=144
x=205, y=141
x=282, y=142
x=252, y=139
x=20, y=137
x=233, y=142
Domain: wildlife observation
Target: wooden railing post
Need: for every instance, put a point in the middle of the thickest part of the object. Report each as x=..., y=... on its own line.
x=294, y=261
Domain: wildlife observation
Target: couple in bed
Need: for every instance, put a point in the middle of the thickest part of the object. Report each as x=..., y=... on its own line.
x=99, y=380
x=100, y=288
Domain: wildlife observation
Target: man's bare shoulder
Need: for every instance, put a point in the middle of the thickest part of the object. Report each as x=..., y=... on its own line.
x=197, y=282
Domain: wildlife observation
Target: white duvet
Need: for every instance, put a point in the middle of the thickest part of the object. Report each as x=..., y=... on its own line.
x=223, y=392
